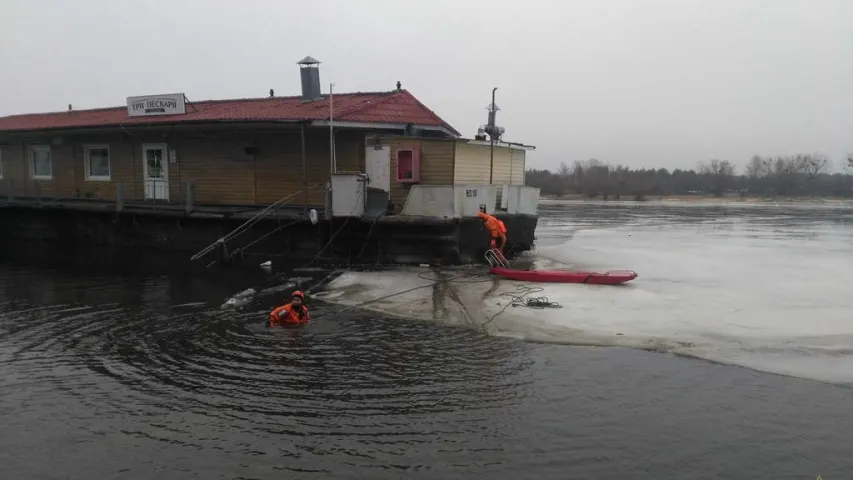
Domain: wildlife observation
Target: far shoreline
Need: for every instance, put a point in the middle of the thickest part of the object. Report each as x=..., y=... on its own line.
x=700, y=199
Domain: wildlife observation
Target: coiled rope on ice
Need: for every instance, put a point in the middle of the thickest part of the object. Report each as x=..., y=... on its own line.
x=520, y=298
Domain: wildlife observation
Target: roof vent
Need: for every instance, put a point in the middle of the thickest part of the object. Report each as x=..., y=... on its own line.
x=493, y=130
x=310, y=73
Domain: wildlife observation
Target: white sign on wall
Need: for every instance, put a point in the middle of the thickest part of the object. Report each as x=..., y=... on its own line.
x=168, y=104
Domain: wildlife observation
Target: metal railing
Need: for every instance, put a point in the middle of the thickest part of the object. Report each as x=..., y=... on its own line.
x=26, y=191
x=154, y=193
x=220, y=242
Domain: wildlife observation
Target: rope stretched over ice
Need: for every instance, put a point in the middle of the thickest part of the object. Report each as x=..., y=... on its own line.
x=384, y=297
x=519, y=298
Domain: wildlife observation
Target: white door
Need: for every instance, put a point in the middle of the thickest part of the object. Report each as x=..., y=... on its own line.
x=155, y=171
x=378, y=167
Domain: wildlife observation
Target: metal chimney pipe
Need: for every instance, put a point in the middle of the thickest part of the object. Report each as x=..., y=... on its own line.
x=310, y=75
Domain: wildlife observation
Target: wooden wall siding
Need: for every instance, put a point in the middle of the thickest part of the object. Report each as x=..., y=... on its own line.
x=62, y=169
x=278, y=167
x=121, y=170
x=222, y=171
x=69, y=177
x=16, y=170
x=279, y=164
x=518, y=161
x=437, y=160
x=473, y=163
x=13, y=167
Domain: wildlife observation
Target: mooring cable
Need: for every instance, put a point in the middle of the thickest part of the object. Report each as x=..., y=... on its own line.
x=369, y=233
x=519, y=298
x=332, y=238
x=385, y=297
x=280, y=227
x=245, y=226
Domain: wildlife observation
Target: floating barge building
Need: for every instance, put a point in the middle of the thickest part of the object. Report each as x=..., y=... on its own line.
x=352, y=178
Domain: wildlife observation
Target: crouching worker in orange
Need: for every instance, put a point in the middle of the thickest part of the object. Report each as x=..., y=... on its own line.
x=496, y=228
x=294, y=313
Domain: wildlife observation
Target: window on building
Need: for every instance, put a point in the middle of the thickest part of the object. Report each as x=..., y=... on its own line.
x=97, y=162
x=41, y=165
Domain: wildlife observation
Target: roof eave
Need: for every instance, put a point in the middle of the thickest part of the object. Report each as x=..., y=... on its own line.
x=513, y=145
x=446, y=129
x=182, y=125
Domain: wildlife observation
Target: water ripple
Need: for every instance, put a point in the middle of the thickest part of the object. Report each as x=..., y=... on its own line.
x=106, y=376
x=224, y=371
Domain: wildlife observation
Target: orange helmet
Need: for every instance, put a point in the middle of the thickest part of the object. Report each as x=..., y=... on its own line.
x=298, y=293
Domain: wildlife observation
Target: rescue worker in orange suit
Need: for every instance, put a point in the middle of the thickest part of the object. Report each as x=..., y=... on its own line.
x=496, y=228
x=293, y=313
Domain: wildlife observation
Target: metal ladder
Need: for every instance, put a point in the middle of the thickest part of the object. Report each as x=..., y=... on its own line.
x=496, y=258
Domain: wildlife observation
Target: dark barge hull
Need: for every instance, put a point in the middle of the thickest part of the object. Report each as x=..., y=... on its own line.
x=284, y=236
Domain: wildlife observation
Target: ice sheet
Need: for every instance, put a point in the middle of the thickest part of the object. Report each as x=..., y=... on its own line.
x=772, y=298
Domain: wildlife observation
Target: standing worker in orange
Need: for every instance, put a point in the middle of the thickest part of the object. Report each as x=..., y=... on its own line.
x=294, y=313
x=496, y=228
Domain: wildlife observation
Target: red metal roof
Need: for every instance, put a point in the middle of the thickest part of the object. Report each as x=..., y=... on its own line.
x=372, y=107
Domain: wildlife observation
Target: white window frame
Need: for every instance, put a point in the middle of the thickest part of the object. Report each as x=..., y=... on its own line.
x=37, y=148
x=86, y=165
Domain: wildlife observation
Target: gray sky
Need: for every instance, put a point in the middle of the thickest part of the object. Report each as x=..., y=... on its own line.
x=641, y=83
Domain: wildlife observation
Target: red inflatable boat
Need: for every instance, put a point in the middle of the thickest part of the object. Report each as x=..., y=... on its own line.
x=613, y=277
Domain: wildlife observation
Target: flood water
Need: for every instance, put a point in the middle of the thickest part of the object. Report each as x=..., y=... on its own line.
x=135, y=374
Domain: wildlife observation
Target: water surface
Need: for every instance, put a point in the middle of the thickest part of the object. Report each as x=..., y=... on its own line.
x=123, y=375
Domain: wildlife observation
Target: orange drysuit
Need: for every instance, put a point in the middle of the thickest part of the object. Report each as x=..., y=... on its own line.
x=290, y=314
x=496, y=229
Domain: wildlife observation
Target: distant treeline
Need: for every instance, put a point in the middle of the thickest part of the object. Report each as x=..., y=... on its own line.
x=795, y=175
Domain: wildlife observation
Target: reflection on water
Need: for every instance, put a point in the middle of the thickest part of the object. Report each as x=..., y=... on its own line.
x=123, y=375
